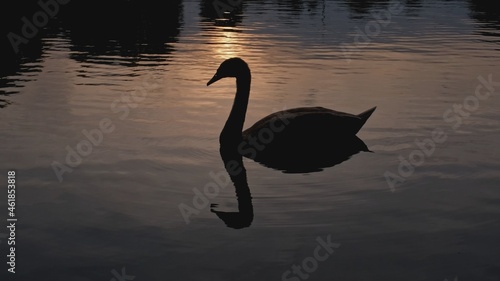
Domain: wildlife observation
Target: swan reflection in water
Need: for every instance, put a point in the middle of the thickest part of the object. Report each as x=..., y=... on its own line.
x=298, y=140
x=233, y=162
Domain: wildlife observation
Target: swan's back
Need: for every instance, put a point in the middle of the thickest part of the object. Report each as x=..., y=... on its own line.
x=303, y=120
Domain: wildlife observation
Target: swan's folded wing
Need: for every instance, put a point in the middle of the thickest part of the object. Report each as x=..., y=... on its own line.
x=313, y=121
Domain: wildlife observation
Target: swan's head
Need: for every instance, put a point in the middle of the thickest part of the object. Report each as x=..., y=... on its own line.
x=233, y=67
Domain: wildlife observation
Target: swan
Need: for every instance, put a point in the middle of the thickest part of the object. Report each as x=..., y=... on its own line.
x=285, y=135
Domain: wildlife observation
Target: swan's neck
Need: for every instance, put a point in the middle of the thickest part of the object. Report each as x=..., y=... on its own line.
x=234, y=124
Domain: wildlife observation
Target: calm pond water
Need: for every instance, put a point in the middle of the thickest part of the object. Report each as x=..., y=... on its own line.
x=136, y=75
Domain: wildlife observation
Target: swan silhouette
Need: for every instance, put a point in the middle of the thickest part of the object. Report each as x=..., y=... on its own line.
x=290, y=136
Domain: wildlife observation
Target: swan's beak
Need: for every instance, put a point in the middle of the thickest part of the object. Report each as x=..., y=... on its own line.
x=214, y=79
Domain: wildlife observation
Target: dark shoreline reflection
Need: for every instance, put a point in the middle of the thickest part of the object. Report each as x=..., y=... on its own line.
x=132, y=30
x=362, y=8
x=208, y=12
x=305, y=160
x=123, y=28
x=487, y=14
x=28, y=53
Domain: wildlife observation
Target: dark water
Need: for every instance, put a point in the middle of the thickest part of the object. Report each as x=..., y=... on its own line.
x=135, y=73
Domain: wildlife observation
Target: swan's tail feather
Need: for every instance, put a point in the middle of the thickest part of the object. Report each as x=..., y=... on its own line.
x=364, y=116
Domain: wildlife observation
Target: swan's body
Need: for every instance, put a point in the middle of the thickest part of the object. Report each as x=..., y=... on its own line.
x=303, y=131
x=314, y=119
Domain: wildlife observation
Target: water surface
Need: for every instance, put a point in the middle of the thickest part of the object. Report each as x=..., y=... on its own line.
x=119, y=207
